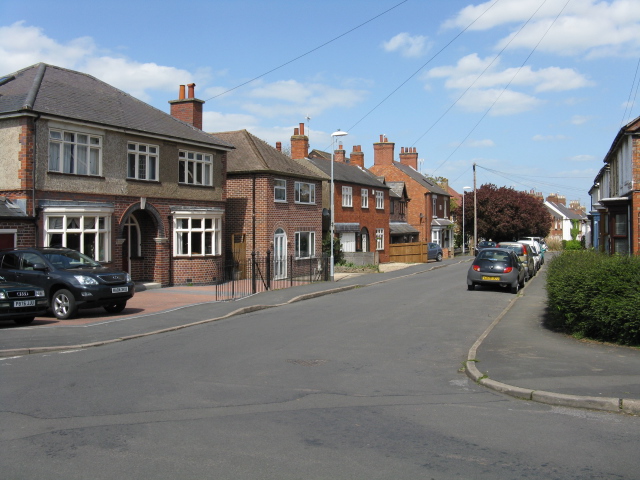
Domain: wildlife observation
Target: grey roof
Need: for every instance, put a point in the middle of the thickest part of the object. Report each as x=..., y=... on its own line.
x=564, y=211
x=424, y=181
x=346, y=227
x=399, y=228
x=255, y=155
x=55, y=91
x=346, y=173
x=396, y=189
x=9, y=210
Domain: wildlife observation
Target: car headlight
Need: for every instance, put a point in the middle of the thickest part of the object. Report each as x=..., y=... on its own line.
x=128, y=277
x=85, y=280
x=3, y=295
x=39, y=293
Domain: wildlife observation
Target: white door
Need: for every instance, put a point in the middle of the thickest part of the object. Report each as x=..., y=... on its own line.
x=348, y=242
x=280, y=255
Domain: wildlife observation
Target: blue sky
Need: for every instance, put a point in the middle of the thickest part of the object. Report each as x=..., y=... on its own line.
x=532, y=91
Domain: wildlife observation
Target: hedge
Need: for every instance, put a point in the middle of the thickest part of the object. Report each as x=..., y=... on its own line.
x=595, y=295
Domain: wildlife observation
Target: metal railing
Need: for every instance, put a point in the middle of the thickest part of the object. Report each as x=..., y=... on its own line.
x=269, y=272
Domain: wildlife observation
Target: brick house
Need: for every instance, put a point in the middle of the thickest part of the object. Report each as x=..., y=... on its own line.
x=95, y=169
x=615, y=195
x=274, y=204
x=564, y=218
x=399, y=229
x=361, y=201
x=430, y=209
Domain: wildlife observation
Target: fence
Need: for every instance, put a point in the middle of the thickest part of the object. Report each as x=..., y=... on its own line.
x=262, y=273
x=415, y=252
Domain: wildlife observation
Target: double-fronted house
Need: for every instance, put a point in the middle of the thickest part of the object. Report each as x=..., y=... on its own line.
x=95, y=169
x=429, y=212
x=361, y=201
x=615, y=195
x=274, y=205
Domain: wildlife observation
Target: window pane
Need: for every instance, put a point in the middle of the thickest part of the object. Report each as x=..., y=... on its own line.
x=152, y=168
x=68, y=137
x=131, y=171
x=82, y=160
x=142, y=148
x=57, y=135
x=196, y=223
x=54, y=156
x=94, y=161
x=130, y=146
x=621, y=224
x=67, y=166
x=196, y=243
x=142, y=167
x=82, y=139
x=181, y=172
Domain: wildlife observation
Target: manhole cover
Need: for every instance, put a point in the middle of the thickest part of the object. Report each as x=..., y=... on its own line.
x=308, y=363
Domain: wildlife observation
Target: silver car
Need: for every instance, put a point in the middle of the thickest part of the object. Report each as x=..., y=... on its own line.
x=496, y=266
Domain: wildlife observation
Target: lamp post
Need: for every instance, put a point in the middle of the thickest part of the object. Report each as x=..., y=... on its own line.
x=331, y=227
x=464, y=191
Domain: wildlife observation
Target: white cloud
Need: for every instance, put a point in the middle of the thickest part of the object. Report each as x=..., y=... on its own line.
x=594, y=28
x=480, y=143
x=224, y=122
x=548, y=138
x=580, y=119
x=502, y=102
x=582, y=158
x=407, y=45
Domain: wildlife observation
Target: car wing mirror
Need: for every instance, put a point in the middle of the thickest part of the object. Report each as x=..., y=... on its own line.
x=41, y=267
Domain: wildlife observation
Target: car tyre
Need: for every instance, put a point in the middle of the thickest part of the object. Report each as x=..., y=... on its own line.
x=24, y=320
x=471, y=287
x=515, y=288
x=115, y=307
x=63, y=304
x=439, y=257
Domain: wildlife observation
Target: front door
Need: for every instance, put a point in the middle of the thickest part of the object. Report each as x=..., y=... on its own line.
x=131, y=247
x=279, y=255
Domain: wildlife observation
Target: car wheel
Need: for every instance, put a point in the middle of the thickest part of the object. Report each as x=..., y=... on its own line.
x=439, y=257
x=23, y=321
x=522, y=283
x=515, y=288
x=115, y=307
x=471, y=287
x=63, y=304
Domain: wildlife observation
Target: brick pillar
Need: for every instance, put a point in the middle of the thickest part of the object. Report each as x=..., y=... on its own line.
x=357, y=156
x=299, y=144
x=189, y=110
x=409, y=157
x=383, y=152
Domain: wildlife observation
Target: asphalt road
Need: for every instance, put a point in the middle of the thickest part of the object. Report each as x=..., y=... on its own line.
x=363, y=384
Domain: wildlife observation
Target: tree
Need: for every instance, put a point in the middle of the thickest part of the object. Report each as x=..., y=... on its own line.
x=505, y=214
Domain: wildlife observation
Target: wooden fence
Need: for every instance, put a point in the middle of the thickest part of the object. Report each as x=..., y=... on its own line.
x=408, y=252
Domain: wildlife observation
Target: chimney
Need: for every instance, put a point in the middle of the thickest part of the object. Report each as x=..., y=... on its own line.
x=299, y=144
x=357, y=156
x=279, y=146
x=339, y=155
x=409, y=157
x=189, y=110
x=383, y=152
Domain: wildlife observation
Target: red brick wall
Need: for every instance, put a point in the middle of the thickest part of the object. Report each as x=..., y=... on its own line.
x=370, y=218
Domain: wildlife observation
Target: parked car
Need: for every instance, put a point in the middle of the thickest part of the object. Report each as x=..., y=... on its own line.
x=434, y=251
x=484, y=244
x=21, y=302
x=69, y=278
x=525, y=255
x=538, y=253
x=496, y=266
x=542, y=247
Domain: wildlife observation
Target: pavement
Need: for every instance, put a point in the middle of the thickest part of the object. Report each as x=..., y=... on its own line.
x=515, y=356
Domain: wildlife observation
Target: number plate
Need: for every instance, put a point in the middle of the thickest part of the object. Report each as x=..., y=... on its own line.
x=491, y=278
x=24, y=303
x=119, y=289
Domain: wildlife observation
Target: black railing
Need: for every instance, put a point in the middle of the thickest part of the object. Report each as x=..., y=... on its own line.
x=269, y=272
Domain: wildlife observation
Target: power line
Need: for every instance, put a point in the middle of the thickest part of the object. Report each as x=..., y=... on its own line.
x=307, y=53
x=629, y=104
x=507, y=85
x=424, y=65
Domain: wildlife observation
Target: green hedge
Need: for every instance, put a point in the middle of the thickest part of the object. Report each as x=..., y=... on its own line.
x=594, y=295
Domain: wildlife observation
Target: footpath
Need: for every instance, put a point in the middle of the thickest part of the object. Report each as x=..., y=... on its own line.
x=516, y=355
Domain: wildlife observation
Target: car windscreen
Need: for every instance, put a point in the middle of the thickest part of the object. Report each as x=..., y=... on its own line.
x=70, y=259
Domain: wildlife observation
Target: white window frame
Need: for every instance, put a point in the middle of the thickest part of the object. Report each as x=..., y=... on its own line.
x=347, y=196
x=434, y=206
x=195, y=168
x=364, y=194
x=192, y=229
x=84, y=223
x=379, y=200
x=311, y=239
x=379, y=238
x=279, y=187
x=143, y=158
x=75, y=153
x=300, y=193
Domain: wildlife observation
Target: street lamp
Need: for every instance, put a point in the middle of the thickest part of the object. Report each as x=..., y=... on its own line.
x=331, y=229
x=464, y=189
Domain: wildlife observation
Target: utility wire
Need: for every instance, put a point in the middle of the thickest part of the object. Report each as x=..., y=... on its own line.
x=506, y=86
x=522, y=180
x=424, y=65
x=481, y=74
x=629, y=104
x=307, y=53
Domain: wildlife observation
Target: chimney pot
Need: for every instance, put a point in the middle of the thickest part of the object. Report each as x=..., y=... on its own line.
x=296, y=131
x=279, y=146
x=381, y=138
x=192, y=87
x=181, y=92
x=302, y=129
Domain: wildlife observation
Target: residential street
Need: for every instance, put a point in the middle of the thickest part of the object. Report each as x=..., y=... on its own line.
x=361, y=384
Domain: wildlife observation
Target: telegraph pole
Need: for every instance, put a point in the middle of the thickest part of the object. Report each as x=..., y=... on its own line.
x=475, y=210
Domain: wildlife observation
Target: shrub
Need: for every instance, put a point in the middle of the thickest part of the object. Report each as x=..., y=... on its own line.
x=595, y=295
x=572, y=245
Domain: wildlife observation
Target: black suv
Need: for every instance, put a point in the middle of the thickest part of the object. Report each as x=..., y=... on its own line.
x=70, y=279
x=20, y=302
